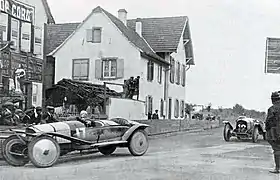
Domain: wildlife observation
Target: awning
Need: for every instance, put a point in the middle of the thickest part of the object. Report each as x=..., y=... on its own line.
x=78, y=92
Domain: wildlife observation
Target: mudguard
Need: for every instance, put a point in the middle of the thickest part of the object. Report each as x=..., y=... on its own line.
x=129, y=132
x=227, y=122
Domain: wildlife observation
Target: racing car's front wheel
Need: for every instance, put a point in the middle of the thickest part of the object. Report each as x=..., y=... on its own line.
x=255, y=135
x=138, y=144
x=43, y=151
x=227, y=132
x=15, y=151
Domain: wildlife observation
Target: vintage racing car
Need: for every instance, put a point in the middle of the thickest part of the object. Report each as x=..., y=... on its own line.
x=245, y=128
x=44, y=144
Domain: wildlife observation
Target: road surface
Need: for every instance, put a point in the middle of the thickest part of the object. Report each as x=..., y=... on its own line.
x=187, y=156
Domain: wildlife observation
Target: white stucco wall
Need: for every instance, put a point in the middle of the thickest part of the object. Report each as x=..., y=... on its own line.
x=118, y=108
x=151, y=88
x=113, y=44
x=176, y=91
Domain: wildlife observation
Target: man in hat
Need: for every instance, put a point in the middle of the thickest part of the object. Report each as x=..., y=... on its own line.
x=38, y=117
x=7, y=114
x=18, y=116
x=272, y=126
x=50, y=116
x=29, y=117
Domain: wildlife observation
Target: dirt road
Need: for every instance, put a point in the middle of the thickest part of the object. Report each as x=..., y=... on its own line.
x=188, y=156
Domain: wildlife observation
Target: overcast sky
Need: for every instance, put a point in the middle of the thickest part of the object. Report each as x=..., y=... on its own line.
x=228, y=38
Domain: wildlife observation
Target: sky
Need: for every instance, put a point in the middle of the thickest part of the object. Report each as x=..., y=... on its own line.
x=229, y=40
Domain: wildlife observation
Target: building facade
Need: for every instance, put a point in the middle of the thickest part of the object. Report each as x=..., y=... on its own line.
x=105, y=48
x=22, y=40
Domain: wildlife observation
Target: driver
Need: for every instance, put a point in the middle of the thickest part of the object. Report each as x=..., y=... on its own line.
x=85, y=119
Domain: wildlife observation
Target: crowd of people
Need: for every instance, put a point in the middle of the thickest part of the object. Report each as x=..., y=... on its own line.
x=11, y=115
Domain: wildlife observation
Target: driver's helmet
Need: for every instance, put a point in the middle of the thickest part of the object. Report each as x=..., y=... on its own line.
x=83, y=114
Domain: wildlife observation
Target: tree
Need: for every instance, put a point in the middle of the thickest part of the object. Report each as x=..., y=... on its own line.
x=238, y=109
x=209, y=107
x=189, y=109
x=220, y=108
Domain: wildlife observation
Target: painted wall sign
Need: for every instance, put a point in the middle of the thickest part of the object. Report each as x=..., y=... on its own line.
x=18, y=10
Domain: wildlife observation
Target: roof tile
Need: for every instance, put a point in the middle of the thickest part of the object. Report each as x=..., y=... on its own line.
x=57, y=33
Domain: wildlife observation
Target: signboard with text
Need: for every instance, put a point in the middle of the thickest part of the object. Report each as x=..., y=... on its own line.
x=272, y=56
x=18, y=10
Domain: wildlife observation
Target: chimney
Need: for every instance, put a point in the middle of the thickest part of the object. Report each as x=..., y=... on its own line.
x=122, y=14
x=138, y=27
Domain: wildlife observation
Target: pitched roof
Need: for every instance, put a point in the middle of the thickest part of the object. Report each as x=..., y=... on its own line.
x=48, y=12
x=130, y=34
x=163, y=34
x=57, y=33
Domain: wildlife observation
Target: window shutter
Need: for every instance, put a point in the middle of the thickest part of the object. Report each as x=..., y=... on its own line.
x=89, y=35
x=98, y=69
x=146, y=105
x=152, y=71
x=120, y=68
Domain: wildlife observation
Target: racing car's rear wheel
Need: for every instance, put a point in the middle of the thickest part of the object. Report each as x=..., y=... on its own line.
x=227, y=133
x=107, y=150
x=255, y=135
x=138, y=144
x=43, y=151
x=15, y=151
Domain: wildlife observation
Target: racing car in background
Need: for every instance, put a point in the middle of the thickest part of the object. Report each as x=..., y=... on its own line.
x=245, y=128
x=44, y=144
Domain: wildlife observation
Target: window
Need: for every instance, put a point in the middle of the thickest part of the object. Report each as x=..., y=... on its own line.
x=161, y=107
x=183, y=75
x=94, y=35
x=176, y=108
x=182, y=109
x=109, y=67
x=172, y=69
x=149, y=104
x=80, y=69
x=150, y=69
x=159, y=74
x=178, y=73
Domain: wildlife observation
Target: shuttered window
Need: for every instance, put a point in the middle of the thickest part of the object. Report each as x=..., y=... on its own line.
x=149, y=105
x=150, y=69
x=80, y=69
x=161, y=107
x=176, y=108
x=172, y=69
x=182, y=109
x=183, y=75
x=109, y=68
x=94, y=35
x=178, y=73
x=159, y=74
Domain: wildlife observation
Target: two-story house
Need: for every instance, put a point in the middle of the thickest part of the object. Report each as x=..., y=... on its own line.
x=104, y=48
x=22, y=24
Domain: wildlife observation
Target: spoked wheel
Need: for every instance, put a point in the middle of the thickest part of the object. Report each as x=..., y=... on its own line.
x=227, y=133
x=43, y=152
x=107, y=150
x=15, y=151
x=255, y=135
x=138, y=144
